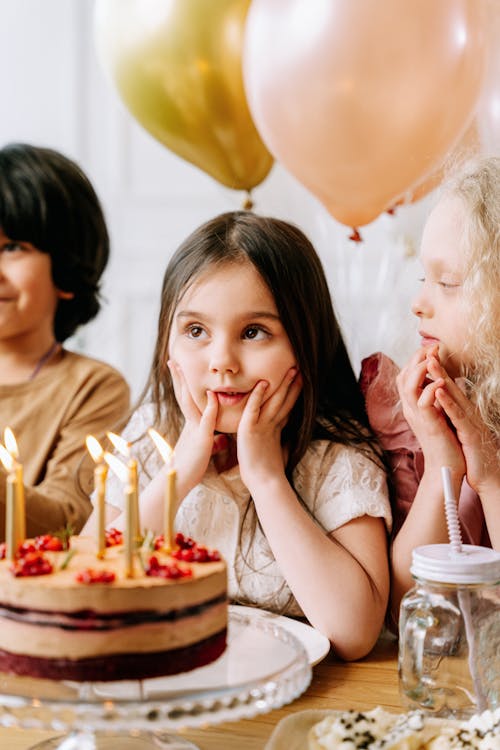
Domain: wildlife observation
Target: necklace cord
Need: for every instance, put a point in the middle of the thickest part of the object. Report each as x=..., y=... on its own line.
x=44, y=359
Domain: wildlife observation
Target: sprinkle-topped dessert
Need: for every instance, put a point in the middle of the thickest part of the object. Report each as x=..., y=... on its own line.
x=67, y=614
x=380, y=730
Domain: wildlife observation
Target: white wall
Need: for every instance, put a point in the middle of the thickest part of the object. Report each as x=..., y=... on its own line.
x=54, y=93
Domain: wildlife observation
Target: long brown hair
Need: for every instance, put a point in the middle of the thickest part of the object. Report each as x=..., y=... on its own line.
x=330, y=405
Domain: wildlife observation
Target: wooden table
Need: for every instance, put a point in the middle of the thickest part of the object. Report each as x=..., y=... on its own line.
x=364, y=684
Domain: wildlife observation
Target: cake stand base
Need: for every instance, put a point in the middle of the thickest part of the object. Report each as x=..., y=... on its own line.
x=98, y=741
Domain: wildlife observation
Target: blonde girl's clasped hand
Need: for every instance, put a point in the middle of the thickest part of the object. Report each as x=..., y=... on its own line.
x=425, y=415
x=477, y=444
x=277, y=466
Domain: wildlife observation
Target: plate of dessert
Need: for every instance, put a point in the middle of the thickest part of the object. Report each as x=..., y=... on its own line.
x=377, y=729
x=315, y=643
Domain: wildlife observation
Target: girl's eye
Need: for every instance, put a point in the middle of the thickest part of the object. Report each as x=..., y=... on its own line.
x=255, y=332
x=12, y=247
x=448, y=285
x=195, y=331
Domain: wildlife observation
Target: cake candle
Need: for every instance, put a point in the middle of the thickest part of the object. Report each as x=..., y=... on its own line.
x=11, y=539
x=123, y=447
x=170, y=502
x=170, y=505
x=17, y=470
x=130, y=530
x=100, y=476
x=122, y=472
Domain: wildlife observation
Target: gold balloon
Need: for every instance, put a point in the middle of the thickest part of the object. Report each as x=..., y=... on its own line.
x=177, y=66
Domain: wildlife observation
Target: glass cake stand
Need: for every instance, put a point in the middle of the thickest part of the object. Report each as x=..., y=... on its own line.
x=263, y=667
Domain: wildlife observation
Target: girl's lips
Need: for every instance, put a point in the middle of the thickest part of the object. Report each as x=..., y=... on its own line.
x=228, y=398
x=428, y=340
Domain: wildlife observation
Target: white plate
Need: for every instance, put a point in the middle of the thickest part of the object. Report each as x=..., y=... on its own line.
x=316, y=645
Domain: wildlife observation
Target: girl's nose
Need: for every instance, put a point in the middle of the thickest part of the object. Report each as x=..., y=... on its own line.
x=223, y=358
x=421, y=306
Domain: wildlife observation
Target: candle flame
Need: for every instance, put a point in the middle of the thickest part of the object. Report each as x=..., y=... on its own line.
x=10, y=442
x=119, y=443
x=164, y=448
x=94, y=448
x=116, y=466
x=6, y=458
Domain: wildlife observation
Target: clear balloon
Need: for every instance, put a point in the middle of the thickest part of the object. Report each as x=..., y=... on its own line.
x=360, y=99
x=177, y=66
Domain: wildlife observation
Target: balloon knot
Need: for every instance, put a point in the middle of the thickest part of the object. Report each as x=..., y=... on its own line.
x=248, y=203
x=392, y=210
x=355, y=236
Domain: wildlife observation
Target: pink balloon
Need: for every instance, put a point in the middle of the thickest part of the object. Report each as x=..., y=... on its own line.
x=488, y=110
x=360, y=99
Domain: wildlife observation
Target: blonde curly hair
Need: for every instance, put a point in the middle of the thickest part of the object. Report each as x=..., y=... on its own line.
x=477, y=185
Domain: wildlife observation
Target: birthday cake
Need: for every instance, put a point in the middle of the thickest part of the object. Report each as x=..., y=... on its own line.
x=65, y=614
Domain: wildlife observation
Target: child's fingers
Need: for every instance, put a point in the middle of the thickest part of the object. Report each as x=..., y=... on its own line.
x=455, y=392
x=453, y=410
x=209, y=415
x=251, y=412
x=277, y=406
x=427, y=398
x=411, y=380
x=436, y=369
x=182, y=393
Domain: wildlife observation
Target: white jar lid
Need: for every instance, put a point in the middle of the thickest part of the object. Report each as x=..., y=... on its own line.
x=438, y=562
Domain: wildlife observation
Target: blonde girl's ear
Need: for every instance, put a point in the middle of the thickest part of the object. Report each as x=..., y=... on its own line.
x=65, y=295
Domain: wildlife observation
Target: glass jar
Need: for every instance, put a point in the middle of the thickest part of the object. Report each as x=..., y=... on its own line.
x=449, y=631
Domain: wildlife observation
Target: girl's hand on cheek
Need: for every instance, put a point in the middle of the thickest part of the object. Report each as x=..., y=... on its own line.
x=260, y=453
x=195, y=445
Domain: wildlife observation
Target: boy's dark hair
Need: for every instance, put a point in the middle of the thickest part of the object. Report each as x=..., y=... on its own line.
x=47, y=200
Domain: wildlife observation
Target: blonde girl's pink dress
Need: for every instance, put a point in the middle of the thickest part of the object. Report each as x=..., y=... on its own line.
x=378, y=383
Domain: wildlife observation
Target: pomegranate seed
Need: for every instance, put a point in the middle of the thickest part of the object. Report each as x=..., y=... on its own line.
x=90, y=575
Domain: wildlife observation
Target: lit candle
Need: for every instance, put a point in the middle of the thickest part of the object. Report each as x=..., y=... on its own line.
x=170, y=502
x=11, y=445
x=122, y=472
x=100, y=476
x=12, y=538
x=123, y=447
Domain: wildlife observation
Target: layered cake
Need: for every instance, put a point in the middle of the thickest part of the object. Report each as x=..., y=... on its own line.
x=65, y=614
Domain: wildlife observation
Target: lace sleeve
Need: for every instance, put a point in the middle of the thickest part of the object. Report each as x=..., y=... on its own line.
x=340, y=483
